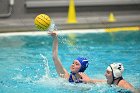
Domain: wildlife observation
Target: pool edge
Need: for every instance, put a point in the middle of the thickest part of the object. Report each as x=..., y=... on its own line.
x=81, y=31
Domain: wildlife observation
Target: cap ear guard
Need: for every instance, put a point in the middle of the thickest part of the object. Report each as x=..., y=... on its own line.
x=84, y=63
x=87, y=65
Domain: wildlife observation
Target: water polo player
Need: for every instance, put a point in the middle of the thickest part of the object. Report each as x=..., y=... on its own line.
x=79, y=65
x=114, y=76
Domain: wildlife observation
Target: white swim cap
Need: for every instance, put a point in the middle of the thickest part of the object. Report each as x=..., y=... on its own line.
x=117, y=69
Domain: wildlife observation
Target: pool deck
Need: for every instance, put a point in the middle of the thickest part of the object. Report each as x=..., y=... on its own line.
x=90, y=22
x=19, y=16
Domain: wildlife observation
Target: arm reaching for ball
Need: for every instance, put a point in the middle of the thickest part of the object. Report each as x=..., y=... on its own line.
x=62, y=72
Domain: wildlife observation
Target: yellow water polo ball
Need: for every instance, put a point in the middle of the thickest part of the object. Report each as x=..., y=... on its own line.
x=42, y=22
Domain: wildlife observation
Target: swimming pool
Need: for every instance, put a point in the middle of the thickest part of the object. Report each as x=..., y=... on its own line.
x=26, y=64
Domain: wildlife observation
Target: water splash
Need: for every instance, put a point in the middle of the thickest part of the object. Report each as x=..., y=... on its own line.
x=53, y=26
x=47, y=70
x=62, y=84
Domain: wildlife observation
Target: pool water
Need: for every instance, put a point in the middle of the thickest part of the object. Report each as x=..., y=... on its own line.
x=26, y=64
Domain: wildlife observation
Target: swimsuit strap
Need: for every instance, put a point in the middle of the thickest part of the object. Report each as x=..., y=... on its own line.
x=70, y=78
x=76, y=79
x=120, y=78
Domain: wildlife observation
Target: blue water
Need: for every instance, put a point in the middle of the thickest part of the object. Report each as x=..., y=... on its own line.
x=26, y=64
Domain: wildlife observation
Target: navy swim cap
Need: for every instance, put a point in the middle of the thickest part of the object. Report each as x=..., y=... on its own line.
x=83, y=62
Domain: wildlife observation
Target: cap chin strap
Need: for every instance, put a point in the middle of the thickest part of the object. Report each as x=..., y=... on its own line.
x=112, y=75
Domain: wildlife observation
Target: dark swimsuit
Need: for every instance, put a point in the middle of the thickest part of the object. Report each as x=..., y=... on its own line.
x=71, y=79
x=123, y=90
